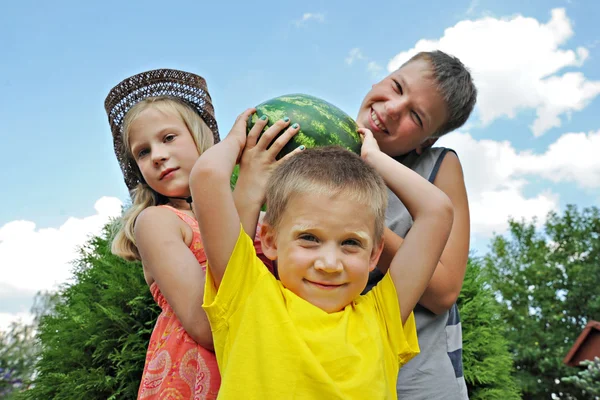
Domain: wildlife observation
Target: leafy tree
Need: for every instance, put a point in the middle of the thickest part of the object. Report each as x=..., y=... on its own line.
x=548, y=282
x=486, y=359
x=17, y=357
x=588, y=380
x=94, y=338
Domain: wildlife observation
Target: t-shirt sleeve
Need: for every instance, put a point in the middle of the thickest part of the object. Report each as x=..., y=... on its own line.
x=402, y=339
x=243, y=271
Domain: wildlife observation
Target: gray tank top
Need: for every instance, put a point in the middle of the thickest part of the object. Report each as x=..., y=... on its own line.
x=436, y=373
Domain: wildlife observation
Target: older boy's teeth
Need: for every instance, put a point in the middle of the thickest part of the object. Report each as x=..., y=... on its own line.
x=376, y=121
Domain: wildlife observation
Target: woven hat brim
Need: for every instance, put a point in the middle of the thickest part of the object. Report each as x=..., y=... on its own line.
x=184, y=86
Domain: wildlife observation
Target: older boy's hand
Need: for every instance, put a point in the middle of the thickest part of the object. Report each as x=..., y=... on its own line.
x=369, y=144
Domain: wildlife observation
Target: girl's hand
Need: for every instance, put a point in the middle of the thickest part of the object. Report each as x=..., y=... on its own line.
x=238, y=131
x=369, y=144
x=259, y=157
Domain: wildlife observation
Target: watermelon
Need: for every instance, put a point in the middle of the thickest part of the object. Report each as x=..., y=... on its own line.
x=321, y=123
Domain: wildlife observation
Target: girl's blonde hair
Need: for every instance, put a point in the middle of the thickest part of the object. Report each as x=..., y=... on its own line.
x=143, y=196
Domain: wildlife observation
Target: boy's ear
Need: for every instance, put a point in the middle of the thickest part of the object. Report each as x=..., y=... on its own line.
x=268, y=241
x=375, y=254
x=425, y=145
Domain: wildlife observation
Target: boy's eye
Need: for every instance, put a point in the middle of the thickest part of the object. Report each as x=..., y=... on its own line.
x=169, y=138
x=308, y=237
x=398, y=86
x=351, y=242
x=417, y=119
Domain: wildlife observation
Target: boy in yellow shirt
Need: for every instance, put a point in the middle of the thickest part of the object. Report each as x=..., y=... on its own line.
x=310, y=334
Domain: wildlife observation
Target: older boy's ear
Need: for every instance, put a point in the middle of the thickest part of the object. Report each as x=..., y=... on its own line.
x=425, y=145
x=268, y=242
x=375, y=254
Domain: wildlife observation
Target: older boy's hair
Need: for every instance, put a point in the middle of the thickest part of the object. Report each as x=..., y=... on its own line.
x=330, y=170
x=454, y=83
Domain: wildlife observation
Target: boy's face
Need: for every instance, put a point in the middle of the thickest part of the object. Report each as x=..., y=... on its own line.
x=325, y=249
x=404, y=109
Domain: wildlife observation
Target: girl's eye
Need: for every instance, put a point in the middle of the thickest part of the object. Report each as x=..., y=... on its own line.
x=169, y=138
x=142, y=153
x=398, y=86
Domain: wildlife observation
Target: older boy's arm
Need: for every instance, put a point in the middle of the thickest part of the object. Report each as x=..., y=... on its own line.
x=415, y=261
x=213, y=202
x=446, y=282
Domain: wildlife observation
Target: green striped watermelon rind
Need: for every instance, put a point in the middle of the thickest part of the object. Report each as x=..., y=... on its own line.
x=321, y=123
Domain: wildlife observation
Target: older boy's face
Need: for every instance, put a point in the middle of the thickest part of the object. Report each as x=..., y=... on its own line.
x=324, y=248
x=404, y=109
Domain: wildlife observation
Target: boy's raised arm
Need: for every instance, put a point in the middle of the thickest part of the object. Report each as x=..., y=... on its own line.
x=432, y=212
x=213, y=202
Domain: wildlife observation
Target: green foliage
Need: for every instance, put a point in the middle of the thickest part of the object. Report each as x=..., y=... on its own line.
x=487, y=362
x=548, y=282
x=588, y=380
x=17, y=357
x=95, y=339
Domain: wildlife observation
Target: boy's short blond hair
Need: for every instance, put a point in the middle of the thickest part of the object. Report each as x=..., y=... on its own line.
x=330, y=170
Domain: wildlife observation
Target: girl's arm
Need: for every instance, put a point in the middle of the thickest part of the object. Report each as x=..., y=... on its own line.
x=159, y=236
x=415, y=261
x=256, y=165
x=446, y=282
x=213, y=201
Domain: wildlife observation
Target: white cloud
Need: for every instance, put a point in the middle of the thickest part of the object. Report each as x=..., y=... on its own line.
x=572, y=158
x=354, y=55
x=39, y=259
x=310, y=16
x=495, y=175
x=472, y=6
x=6, y=319
x=516, y=63
x=374, y=68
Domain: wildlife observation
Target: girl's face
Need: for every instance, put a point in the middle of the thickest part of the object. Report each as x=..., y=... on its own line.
x=404, y=109
x=164, y=150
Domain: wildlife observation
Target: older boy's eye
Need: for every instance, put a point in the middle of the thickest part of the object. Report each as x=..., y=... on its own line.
x=398, y=86
x=417, y=119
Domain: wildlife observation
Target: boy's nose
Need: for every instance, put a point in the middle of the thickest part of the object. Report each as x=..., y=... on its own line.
x=395, y=108
x=329, y=262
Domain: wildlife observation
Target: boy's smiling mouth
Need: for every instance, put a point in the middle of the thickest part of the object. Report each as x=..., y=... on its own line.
x=324, y=285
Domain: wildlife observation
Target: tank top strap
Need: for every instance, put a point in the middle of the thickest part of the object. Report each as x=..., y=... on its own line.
x=183, y=216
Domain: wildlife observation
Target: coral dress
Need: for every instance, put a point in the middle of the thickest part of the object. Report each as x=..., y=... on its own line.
x=176, y=366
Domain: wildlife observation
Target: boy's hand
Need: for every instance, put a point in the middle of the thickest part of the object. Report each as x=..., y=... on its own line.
x=238, y=131
x=369, y=144
x=259, y=157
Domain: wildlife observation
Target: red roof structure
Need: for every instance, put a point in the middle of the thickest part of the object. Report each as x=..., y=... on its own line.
x=586, y=347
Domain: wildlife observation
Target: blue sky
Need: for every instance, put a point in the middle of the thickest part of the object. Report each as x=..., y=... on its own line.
x=538, y=62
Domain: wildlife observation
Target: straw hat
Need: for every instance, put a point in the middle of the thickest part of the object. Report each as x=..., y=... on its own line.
x=182, y=86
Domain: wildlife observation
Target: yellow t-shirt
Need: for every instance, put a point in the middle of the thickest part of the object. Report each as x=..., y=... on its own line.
x=272, y=344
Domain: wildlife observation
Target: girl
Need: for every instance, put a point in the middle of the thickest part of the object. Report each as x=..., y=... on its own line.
x=162, y=121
